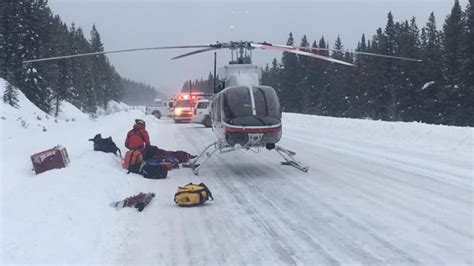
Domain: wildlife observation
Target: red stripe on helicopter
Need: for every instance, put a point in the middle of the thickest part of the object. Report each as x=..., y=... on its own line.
x=252, y=129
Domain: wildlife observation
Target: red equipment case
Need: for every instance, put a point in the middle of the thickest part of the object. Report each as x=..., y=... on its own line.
x=54, y=158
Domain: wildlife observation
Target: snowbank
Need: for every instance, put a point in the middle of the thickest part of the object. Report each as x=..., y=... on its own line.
x=114, y=107
x=411, y=136
x=70, y=112
x=28, y=115
x=62, y=215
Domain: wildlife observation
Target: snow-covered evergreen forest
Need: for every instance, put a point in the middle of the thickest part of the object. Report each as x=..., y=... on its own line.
x=438, y=90
x=29, y=30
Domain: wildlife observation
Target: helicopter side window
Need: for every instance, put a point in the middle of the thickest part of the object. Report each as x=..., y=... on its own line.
x=261, y=104
x=266, y=102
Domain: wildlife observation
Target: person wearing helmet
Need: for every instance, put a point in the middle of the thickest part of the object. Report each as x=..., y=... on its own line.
x=137, y=137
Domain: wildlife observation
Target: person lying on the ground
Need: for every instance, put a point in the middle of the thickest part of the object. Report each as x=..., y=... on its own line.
x=154, y=152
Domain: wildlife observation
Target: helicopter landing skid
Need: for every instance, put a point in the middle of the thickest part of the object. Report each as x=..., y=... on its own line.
x=195, y=166
x=217, y=146
x=289, y=159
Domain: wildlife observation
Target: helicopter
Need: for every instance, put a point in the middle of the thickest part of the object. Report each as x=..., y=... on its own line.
x=245, y=114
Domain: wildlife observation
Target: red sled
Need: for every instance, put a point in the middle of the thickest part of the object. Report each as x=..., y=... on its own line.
x=54, y=158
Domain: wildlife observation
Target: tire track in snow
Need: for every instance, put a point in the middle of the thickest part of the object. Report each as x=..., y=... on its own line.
x=417, y=215
x=264, y=221
x=281, y=250
x=347, y=236
x=343, y=240
x=432, y=175
x=225, y=248
x=345, y=243
x=400, y=193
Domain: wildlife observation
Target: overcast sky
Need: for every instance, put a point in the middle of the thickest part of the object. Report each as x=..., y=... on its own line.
x=127, y=24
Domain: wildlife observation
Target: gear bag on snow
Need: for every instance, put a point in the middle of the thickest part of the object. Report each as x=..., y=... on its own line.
x=131, y=158
x=150, y=152
x=151, y=169
x=192, y=195
x=105, y=145
x=54, y=158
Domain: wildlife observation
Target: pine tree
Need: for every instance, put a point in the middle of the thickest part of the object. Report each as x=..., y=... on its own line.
x=58, y=72
x=375, y=87
x=25, y=30
x=357, y=101
x=389, y=103
x=289, y=79
x=10, y=96
x=303, y=86
x=468, y=46
x=99, y=69
x=313, y=74
x=83, y=93
x=271, y=76
x=430, y=42
x=337, y=80
x=467, y=107
x=408, y=79
x=210, y=83
x=323, y=83
x=432, y=77
x=3, y=35
x=452, y=45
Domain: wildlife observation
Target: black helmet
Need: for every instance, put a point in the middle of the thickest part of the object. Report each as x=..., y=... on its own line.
x=139, y=121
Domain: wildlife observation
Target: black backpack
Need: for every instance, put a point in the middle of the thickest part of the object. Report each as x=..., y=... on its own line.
x=105, y=145
x=149, y=152
x=151, y=169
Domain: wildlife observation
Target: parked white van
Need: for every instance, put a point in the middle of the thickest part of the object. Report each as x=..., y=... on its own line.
x=201, y=113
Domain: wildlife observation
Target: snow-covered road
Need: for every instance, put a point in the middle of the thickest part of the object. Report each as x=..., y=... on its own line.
x=376, y=193
x=357, y=204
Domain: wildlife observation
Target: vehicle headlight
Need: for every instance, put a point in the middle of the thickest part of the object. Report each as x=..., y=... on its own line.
x=178, y=111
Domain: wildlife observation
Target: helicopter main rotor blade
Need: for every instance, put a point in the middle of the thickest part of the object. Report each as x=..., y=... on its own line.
x=194, y=52
x=112, y=52
x=290, y=49
x=355, y=52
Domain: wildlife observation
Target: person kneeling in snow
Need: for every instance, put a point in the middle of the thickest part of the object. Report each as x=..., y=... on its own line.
x=137, y=138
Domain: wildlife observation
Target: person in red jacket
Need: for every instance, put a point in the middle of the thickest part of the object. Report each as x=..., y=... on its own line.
x=137, y=137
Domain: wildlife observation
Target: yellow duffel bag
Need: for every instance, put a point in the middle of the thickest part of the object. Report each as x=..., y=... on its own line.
x=192, y=195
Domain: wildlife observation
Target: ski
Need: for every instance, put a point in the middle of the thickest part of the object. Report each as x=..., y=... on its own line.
x=139, y=201
x=118, y=204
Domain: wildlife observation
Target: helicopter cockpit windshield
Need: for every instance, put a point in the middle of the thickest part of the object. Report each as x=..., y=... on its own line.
x=241, y=110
